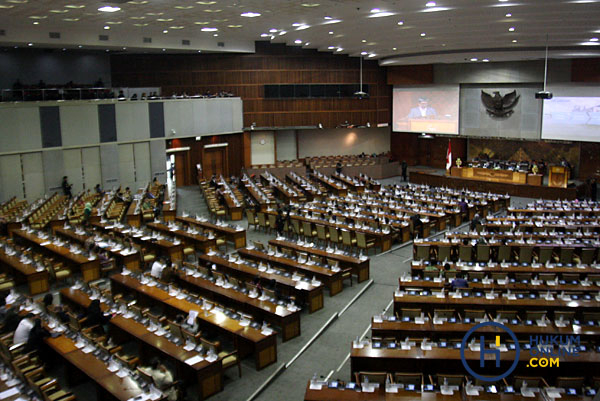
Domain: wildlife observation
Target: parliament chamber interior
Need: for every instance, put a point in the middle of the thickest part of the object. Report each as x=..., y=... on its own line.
x=295, y=200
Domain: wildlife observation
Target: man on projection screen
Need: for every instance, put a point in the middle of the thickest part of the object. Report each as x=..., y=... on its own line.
x=422, y=111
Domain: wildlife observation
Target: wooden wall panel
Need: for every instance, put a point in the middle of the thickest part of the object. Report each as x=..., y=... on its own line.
x=246, y=74
x=410, y=75
x=585, y=70
x=425, y=152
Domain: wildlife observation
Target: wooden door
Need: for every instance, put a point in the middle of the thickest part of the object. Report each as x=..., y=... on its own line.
x=182, y=169
x=214, y=162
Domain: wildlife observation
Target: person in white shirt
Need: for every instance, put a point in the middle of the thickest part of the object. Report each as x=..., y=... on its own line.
x=157, y=268
x=23, y=329
x=162, y=378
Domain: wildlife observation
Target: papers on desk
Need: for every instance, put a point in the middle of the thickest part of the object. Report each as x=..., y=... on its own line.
x=113, y=366
x=211, y=358
x=9, y=393
x=194, y=360
x=266, y=331
x=88, y=349
x=122, y=373
x=316, y=385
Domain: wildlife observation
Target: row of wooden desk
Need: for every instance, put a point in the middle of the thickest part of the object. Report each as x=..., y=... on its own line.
x=247, y=339
x=233, y=235
x=208, y=376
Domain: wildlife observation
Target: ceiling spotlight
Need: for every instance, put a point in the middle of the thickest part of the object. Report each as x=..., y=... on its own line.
x=64, y=49
x=430, y=4
x=36, y=22
x=514, y=40
x=106, y=27
x=328, y=18
x=124, y=48
x=272, y=30
x=307, y=43
x=109, y=9
x=331, y=32
x=593, y=39
x=364, y=53
x=485, y=60
x=423, y=34
x=363, y=41
x=339, y=49
x=215, y=35
x=80, y=46
x=400, y=22
x=394, y=48
x=264, y=35
x=508, y=15
x=474, y=59
x=207, y=29
x=166, y=31
x=372, y=55
x=29, y=44
x=375, y=10
x=511, y=29
x=297, y=41
x=302, y=27
x=250, y=15
x=164, y=50
x=296, y=24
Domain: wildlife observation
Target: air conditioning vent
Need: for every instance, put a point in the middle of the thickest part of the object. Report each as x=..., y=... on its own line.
x=221, y=44
x=147, y=40
x=103, y=38
x=54, y=35
x=185, y=42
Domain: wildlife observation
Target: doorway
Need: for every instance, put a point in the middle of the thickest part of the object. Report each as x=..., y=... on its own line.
x=178, y=167
x=214, y=160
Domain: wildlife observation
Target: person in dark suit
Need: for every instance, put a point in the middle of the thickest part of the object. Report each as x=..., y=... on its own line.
x=404, y=171
x=422, y=110
x=94, y=315
x=66, y=187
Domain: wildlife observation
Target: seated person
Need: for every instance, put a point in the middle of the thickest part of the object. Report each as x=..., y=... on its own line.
x=162, y=378
x=36, y=336
x=183, y=322
x=94, y=315
x=23, y=329
x=459, y=282
x=158, y=267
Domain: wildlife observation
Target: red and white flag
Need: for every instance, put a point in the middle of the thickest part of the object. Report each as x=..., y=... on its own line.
x=449, y=156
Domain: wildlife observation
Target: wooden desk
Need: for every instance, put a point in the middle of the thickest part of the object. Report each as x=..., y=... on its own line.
x=131, y=261
x=429, y=303
x=90, y=269
x=356, y=187
x=108, y=384
x=359, y=267
x=487, y=174
x=328, y=276
x=305, y=292
x=36, y=281
x=237, y=237
x=248, y=339
x=429, y=362
x=200, y=242
x=289, y=322
x=331, y=185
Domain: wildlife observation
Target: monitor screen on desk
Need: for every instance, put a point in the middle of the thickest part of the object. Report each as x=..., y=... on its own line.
x=429, y=109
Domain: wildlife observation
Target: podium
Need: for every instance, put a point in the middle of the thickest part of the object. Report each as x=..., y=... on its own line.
x=558, y=177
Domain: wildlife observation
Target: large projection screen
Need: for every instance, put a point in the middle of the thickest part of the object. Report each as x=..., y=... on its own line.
x=573, y=114
x=430, y=109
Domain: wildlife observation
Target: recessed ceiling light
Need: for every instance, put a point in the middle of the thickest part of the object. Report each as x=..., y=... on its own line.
x=282, y=33
x=474, y=59
x=215, y=35
x=372, y=55
x=164, y=50
x=107, y=50
x=137, y=18
x=80, y=46
x=234, y=26
x=250, y=14
x=36, y=22
x=165, y=19
x=6, y=6
x=75, y=6
x=302, y=27
x=364, y=53
x=511, y=29
x=327, y=17
x=394, y=48
x=375, y=10
x=59, y=11
x=298, y=41
x=206, y=3
x=430, y=4
x=177, y=27
x=272, y=30
x=307, y=43
x=138, y=2
x=154, y=14
x=109, y=9
x=485, y=60
x=330, y=47
x=184, y=7
x=264, y=35
x=71, y=19
x=38, y=17
x=331, y=32
x=166, y=31
x=310, y=4
x=144, y=24
x=423, y=34
x=296, y=24
x=63, y=49
x=202, y=23
x=382, y=14
x=339, y=49
x=199, y=51
x=333, y=21
x=106, y=27
x=124, y=48
x=514, y=40
x=29, y=44
x=400, y=22
x=502, y=1
x=206, y=29
x=364, y=41
x=593, y=39
x=212, y=11
x=114, y=22
x=508, y=15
